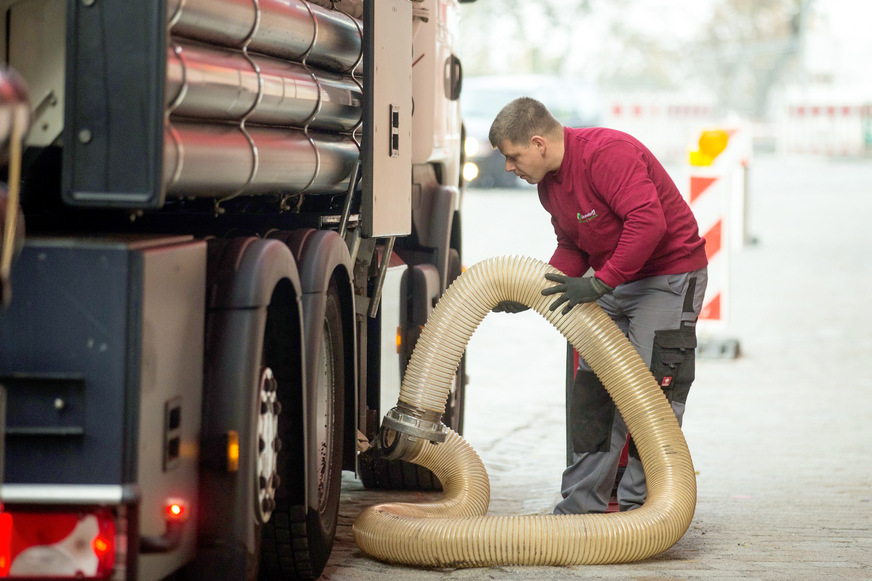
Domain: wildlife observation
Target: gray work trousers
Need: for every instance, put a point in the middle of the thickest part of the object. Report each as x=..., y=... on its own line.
x=658, y=314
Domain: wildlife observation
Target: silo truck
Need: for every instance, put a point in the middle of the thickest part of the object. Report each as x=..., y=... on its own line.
x=238, y=215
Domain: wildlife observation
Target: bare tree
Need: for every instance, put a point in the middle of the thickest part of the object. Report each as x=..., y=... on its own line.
x=595, y=39
x=518, y=36
x=743, y=50
x=747, y=48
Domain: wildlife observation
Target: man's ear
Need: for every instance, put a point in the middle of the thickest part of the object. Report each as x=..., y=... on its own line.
x=539, y=143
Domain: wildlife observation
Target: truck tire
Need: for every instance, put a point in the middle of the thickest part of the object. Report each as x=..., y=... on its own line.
x=378, y=473
x=255, y=356
x=298, y=539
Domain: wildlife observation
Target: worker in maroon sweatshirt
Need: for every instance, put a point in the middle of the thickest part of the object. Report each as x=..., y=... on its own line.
x=617, y=212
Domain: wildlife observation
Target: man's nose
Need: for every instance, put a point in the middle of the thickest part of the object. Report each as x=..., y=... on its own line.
x=510, y=166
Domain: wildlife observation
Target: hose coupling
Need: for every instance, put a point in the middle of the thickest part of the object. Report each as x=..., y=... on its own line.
x=404, y=429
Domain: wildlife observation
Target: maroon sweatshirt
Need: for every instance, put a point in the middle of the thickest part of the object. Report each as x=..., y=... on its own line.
x=614, y=208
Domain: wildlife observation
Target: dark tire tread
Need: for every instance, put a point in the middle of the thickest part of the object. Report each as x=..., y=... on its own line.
x=285, y=546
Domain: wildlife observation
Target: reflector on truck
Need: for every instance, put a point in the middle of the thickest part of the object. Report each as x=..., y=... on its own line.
x=57, y=545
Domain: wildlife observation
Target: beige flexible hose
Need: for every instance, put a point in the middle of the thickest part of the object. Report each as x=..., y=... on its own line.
x=454, y=531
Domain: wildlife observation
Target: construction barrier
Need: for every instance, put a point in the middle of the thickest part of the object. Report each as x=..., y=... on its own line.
x=662, y=121
x=717, y=195
x=826, y=124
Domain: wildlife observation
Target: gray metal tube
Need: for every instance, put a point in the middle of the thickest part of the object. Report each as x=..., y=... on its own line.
x=224, y=84
x=222, y=22
x=223, y=160
x=288, y=29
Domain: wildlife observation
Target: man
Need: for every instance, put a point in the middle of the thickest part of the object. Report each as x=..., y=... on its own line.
x=615, y=210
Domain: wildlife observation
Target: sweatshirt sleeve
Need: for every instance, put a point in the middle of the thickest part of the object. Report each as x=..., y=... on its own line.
x=619, y=173
x=568, y=258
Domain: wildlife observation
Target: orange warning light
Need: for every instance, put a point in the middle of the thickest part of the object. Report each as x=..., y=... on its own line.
x=232, y=451
x=711, y=144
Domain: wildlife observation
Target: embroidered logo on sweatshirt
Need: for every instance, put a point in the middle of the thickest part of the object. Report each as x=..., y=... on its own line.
x=582, y=218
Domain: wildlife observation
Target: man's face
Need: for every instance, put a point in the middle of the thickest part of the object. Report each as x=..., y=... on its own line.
x=525, y=161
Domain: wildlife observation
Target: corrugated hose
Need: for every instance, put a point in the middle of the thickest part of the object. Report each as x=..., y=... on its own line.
x=454, y=531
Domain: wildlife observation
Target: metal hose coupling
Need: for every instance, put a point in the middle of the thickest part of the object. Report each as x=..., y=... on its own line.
x=455, y=530
x=404, y=429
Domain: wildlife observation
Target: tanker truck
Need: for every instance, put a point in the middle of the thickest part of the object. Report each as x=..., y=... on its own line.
x=226, y=222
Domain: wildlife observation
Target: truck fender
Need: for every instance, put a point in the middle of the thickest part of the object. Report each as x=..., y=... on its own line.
x=244, y=271
x=243, y=274
x=445, y=202
x=433, y=219
x=321, y=256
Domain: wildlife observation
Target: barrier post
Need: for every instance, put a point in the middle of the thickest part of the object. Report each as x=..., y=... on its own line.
x=716, y=195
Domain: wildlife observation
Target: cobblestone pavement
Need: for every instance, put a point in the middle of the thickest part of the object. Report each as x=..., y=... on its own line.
x=779, y=436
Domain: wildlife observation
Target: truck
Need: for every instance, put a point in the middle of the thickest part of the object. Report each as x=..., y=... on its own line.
x=226, y=222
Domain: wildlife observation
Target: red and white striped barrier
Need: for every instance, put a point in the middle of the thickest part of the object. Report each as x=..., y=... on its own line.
x=709, y=200
x=662, y=121
x=717, y=197
x=832, y=128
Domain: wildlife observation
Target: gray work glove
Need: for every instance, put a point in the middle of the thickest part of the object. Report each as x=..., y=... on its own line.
x=510, y=307
x=586, y=289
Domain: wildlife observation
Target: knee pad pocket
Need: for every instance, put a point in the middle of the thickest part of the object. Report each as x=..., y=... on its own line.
x=673, y=362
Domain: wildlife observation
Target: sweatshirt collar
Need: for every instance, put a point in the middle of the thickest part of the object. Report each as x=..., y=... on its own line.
x=562, y=171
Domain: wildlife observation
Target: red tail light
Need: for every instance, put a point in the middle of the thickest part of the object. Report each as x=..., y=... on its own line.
x=5, y=542
x=57, y=545
x=176, y=510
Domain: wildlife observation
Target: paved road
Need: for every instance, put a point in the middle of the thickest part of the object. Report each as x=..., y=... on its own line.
x=779, y=436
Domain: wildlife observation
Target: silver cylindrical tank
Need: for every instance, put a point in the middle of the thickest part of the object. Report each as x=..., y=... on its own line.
x=210, y=160
x=224, y=84
x=288, y=29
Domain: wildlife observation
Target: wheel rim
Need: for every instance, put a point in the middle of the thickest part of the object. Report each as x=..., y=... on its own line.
x=324, y=416
x=268, y=444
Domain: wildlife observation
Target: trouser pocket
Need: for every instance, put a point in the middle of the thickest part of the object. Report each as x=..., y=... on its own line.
x=673, y=362
x=591, y=413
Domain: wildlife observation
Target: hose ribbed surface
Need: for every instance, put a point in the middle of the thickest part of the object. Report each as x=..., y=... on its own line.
x=453, y=532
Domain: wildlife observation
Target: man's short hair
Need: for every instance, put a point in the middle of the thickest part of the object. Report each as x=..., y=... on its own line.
x=520, y=120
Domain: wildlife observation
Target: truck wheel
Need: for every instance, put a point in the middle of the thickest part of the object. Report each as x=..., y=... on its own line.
x=297, y=541
x=378, y=473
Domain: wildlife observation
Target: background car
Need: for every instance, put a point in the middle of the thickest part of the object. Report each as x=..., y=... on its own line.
x=574, y=103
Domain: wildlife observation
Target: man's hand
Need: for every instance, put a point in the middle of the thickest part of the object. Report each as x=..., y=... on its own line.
x=510, y=307
x=575, y=290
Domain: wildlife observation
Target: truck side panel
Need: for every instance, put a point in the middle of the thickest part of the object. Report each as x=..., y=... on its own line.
x=64, y=359
x=171, y=391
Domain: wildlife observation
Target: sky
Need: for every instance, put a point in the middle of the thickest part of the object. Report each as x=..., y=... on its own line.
x=840, y=37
